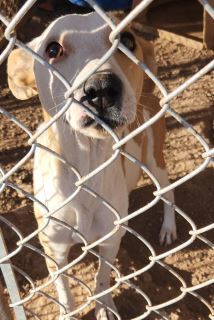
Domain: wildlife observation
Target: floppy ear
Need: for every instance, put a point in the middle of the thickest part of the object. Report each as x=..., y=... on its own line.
x=21, y=78
x=149, y=59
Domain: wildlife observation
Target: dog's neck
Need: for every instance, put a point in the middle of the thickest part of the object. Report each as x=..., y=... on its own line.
x=82, y=152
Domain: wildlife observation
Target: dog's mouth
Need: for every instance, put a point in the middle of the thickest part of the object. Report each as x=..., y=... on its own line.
x=88, y=122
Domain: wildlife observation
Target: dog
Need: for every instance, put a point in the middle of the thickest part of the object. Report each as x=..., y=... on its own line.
x=119, y=93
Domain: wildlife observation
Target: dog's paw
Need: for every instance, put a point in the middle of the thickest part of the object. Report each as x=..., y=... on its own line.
x=168, y=234
x=104, y=314
x=103, y=307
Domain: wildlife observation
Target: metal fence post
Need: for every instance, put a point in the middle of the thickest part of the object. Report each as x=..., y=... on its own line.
x=10, y=281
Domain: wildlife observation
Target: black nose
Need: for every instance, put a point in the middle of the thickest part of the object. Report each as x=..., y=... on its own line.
x=103, y=90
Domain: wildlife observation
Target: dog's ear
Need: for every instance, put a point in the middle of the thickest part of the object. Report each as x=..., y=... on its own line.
x=148, y=53
x=21, y=79
x=149, y=59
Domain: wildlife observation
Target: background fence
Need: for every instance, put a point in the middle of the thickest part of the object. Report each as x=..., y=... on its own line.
x=18, y=303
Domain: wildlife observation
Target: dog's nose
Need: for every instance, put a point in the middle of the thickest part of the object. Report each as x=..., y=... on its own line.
x=103, y=90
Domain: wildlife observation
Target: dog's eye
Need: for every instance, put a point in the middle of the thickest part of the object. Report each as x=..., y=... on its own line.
x=128, y=40
x=54, y=50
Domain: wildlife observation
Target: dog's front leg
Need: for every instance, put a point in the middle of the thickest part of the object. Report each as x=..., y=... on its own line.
x=57, y=242
x=168, y=232
x=156, y=163
x=109, y=252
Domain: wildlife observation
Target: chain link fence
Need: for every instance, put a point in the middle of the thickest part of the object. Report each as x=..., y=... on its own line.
x=18, y=303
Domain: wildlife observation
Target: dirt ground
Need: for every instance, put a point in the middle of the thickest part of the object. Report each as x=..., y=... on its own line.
x=182, y=153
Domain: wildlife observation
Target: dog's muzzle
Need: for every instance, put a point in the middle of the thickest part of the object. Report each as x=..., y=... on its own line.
x=102, y=94
x=103, y=91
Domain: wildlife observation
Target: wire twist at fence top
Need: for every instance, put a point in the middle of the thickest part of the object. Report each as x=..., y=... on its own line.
x=80, y=185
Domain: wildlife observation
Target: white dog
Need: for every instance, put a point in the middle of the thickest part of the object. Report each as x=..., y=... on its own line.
x=118, y=93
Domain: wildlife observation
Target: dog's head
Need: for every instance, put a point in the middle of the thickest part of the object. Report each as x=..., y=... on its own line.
x=73, y=44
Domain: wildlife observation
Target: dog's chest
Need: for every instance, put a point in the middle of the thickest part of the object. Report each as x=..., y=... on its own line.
x=55, y=181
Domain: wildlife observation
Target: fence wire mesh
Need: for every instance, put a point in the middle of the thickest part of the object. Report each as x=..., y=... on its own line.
x=8, y=269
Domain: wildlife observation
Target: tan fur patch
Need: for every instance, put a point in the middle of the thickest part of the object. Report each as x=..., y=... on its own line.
x=158, y=129
x=21, y=77
x=151, y=104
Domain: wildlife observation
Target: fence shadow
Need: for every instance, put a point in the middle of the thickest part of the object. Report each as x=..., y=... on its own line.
x=185, y=69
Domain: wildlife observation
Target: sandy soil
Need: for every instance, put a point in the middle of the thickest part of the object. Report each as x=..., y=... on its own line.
x=183, y=154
